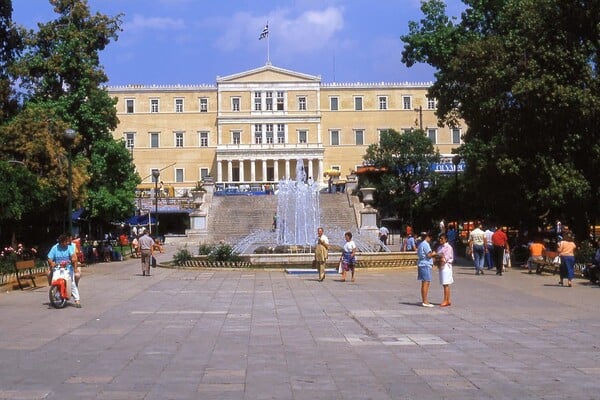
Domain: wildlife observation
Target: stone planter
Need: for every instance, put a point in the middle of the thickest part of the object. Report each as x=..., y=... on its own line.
x=367, y=196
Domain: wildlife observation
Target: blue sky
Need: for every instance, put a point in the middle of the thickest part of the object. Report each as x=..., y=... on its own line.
x=194, y=41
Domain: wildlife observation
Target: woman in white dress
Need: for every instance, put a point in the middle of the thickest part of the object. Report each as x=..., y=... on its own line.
x=348, y=258
x=444, y=264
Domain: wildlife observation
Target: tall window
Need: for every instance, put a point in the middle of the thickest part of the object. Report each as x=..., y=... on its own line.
x=335, y=137
x=302, y=103
x=236, y=137
x=130, y=140
x=179, y=175
x=258, y=133
x=280, y=101
x=154, y=139
x=269, y=133
x=432, y=134
x=203, y=139
x=204, y=172
x=302, y=136
x=280, y=133
x=129, y=106
x=269, y=101
x=153, y=105
x=358, y=103
x=257, y=101
x=178, y=139
x=178, y=105
x=359, y=135
x=203, y=104
x=431, y=103
x=383, y=103
x=455, y=135
x=406, y=103
x=235, y=104
x=333, y=103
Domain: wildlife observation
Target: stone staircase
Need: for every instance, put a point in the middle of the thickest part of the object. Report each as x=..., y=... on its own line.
x=233, y=217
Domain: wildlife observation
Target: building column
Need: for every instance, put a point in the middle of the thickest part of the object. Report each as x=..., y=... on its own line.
x=241, y=163
x=310, y=173
x=276, y=170
x=264, y=170
x=253, y=170
x=320, y=179
x=219, y=171
x=229, y=170
x=287, y=169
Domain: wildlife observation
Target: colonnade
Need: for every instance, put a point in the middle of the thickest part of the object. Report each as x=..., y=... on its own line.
x=255, y=170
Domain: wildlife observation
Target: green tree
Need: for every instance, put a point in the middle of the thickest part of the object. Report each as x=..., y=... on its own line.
x=60, y=68
x=407, y=159
x=11, y=44
x=523, y=75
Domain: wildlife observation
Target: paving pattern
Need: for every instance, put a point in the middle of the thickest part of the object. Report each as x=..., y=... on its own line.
x=265, y=334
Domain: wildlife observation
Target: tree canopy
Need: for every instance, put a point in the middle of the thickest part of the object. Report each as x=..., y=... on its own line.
x=523, y=75
x=405, y=160
x=56, y=75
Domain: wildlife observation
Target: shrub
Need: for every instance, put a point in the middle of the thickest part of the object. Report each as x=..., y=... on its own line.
x=205, y=249
x=182, y=256
x=223, y=252
x=585, y=252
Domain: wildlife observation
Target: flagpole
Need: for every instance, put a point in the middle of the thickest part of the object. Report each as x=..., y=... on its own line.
x=268, y=47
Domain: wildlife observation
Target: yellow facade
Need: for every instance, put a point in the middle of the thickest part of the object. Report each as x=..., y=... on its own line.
x=250, y=128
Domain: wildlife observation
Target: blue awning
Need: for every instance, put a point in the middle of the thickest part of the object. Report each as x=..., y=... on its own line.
x=140, y=220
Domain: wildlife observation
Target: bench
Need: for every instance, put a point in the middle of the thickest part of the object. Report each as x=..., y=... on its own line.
x=549, y=261
x=24, y=270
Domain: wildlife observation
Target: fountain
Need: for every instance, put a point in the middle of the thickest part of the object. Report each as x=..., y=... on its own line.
x=298, y=214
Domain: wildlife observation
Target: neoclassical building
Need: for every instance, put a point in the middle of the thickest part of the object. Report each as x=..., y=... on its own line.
x=250, y=129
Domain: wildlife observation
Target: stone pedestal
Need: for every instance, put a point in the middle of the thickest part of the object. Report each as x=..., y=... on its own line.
x=368, y=216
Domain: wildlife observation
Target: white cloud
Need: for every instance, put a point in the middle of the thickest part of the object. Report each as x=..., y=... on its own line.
x=139, y=23
x=309, y=31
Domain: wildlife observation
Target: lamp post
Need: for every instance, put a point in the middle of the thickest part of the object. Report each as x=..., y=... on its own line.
x=69, y=136
x=156, y=175
x=456, y=161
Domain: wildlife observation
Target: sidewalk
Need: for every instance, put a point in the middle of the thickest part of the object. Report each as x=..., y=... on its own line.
x=254, y=334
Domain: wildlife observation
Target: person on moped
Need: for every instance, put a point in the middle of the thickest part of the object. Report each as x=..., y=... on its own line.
x=63, y=254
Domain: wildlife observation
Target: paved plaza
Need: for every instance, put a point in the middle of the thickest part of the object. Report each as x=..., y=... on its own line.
x=265, y=334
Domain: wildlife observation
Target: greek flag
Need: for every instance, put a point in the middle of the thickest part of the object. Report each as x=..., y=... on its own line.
x=264, y=33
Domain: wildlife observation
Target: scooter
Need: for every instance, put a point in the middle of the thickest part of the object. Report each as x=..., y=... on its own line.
x=60, y=287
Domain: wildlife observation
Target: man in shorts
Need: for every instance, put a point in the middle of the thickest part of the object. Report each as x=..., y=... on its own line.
x=424, y=265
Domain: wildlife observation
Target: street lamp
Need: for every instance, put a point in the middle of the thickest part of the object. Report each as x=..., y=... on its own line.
x=456, y=161
x=156, y=175
x=69, y=136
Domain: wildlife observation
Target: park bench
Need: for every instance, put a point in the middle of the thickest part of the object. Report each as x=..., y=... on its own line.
x=24, y=270
x=550, y=261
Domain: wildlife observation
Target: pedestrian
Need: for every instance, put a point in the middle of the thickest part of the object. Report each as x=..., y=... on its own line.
x=566, y=251
x=424, y=265
x=477, y=248
x=348, y=258
x=409, y=244
x=274, y=222
x=536, y=253
x=383, y=234
x=489, y=247
x=446, y=258
x=321, y=253
x=499, y=248
x=451, y=234
x=147, y=248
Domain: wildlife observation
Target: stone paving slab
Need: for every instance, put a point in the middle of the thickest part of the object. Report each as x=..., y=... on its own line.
x=265, y=334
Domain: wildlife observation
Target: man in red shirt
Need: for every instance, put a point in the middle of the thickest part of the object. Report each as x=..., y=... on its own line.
x=500, y=243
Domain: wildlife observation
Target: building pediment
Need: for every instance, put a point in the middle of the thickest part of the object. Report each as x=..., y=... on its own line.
x=270, y=74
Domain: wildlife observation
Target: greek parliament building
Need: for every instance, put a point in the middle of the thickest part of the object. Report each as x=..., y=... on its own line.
x=249, y=130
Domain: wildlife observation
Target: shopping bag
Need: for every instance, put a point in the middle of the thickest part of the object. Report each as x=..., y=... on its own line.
x=341, y=267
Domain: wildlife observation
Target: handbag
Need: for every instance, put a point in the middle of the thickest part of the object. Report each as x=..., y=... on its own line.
x=340, y=267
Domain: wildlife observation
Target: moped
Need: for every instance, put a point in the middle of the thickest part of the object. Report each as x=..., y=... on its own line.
x=60, y=287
